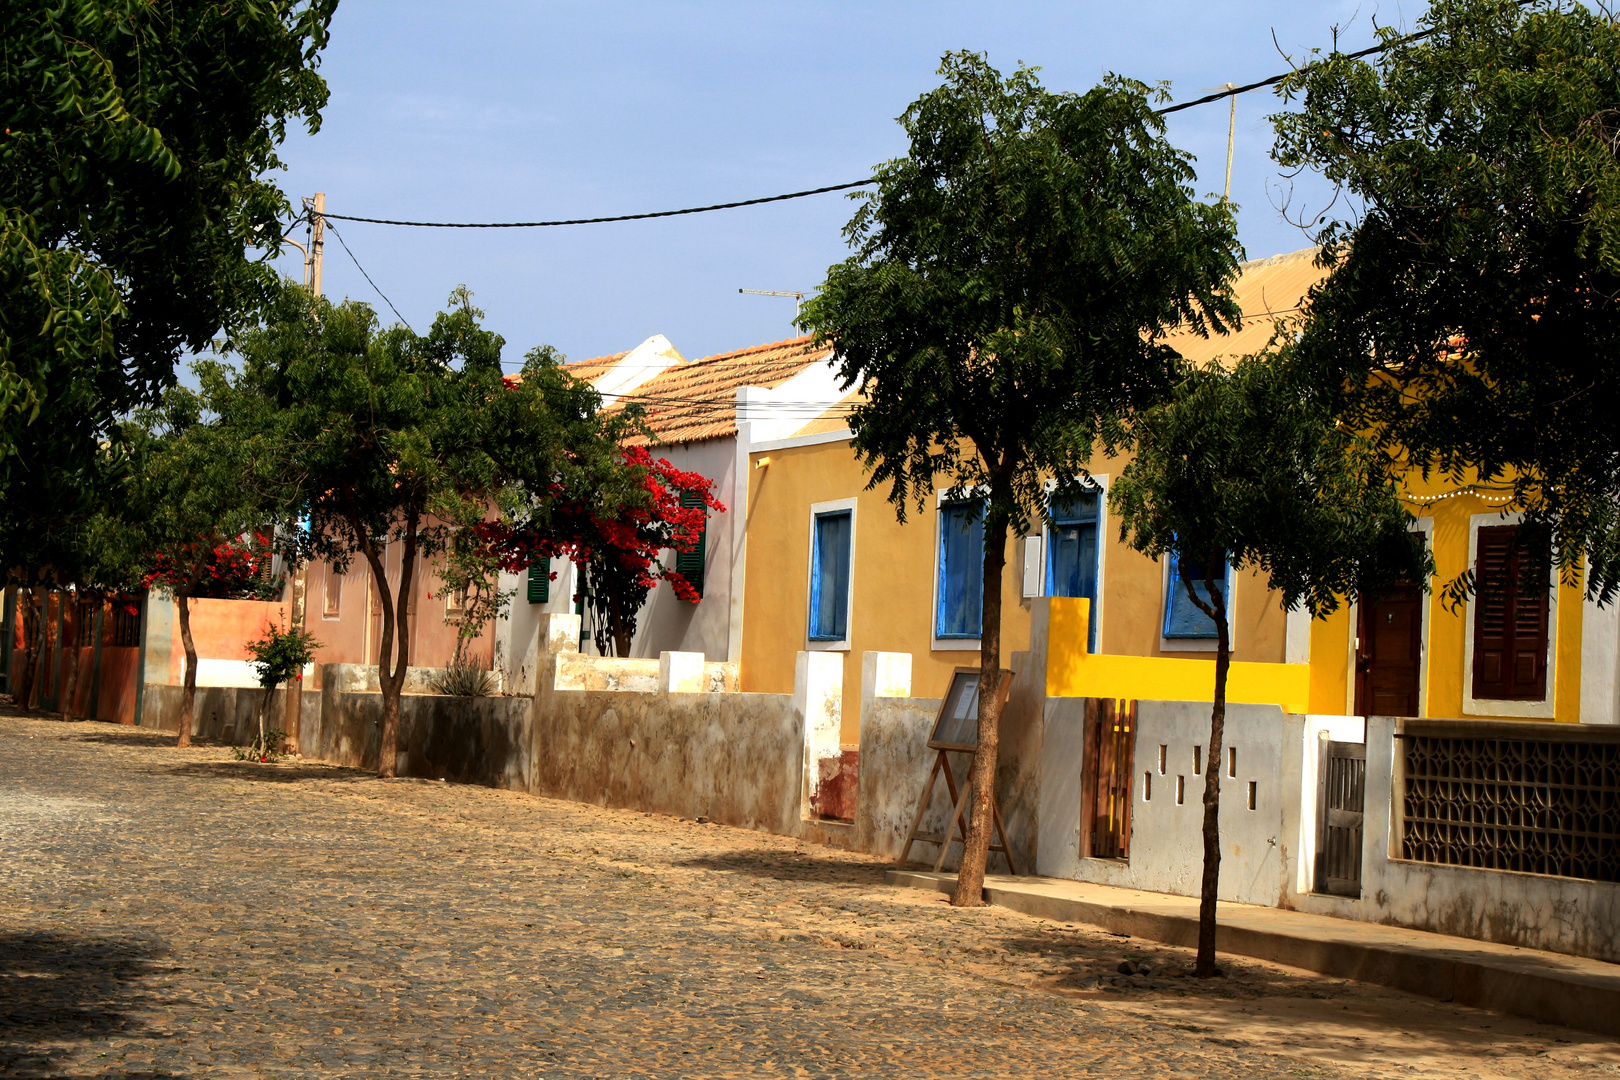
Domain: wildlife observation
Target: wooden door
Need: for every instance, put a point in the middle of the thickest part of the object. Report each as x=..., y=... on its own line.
x=1389, y=656
x=1111, y=751
x=1340, y=806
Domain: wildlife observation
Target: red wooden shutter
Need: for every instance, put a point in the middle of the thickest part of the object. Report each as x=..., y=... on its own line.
x=1510, y=619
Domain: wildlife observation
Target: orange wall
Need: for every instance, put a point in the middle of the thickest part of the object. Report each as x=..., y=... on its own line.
x=221, y=629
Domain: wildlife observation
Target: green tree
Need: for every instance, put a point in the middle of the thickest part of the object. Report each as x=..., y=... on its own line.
x=184, y=521
x=278, y=656
x=1005, y=309
x=136, y=222
x=368, y=438
x=1244, y=469
x=1469, y=320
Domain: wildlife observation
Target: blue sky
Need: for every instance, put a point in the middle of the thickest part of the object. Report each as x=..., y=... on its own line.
x=531, y=111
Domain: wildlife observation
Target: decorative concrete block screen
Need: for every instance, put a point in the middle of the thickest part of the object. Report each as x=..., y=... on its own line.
x=1533, y=798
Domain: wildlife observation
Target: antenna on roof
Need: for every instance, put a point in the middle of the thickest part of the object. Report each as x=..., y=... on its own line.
x=798, y=298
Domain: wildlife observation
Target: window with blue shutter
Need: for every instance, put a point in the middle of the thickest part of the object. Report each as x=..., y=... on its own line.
x=1182, y=619
x=829, y=576
x=689, y=564
x=961, y=570
x=540, y=581
x=1071, y=552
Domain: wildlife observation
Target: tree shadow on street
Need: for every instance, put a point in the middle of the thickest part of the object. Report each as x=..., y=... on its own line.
x=140, y=737
x=57, y=990
x=271, y=772
x=795, y=866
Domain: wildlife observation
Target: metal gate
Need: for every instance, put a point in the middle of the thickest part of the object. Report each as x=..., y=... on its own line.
x=1111, y=753
x=1340, y=802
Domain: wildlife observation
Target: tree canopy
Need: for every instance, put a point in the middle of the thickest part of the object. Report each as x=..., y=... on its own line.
x=1470, y=318
x=136, y=222
x=1005, y=309
x=366, y=437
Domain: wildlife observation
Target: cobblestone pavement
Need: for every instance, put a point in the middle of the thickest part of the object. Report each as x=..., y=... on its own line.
x=177, y=913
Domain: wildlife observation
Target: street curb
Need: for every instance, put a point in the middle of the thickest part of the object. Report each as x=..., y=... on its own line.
x=1525, y=983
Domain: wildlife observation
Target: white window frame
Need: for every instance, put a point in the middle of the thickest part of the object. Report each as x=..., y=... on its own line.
x=1100, y=482
x=816, y=509
x=1193, y=644
x=936, y=643
x=1544, y=709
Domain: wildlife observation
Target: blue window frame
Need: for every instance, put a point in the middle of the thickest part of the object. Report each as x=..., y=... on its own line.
x=829, y=576
x=1071, y=552
x=960, y=604
x=1182, y=619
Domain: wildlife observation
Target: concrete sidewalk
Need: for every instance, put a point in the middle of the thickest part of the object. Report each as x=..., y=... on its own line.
x=1549, y=987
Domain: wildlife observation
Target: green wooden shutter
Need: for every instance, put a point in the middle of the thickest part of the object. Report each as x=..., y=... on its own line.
x=540, y=581
x=690, y=563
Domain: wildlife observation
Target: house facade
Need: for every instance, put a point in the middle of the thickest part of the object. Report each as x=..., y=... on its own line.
x=830, y=567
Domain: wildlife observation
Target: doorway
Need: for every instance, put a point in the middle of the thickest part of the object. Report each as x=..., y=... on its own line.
x=1389, y=652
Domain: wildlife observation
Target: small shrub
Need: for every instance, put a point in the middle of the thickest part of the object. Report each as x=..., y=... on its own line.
x=463, y=679
x=269, y=746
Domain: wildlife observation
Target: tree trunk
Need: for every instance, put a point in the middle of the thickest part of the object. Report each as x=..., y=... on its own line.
x=295, y=711
x=188, y=689
x=982, y=775
x=400, y=631
x=1210, y=887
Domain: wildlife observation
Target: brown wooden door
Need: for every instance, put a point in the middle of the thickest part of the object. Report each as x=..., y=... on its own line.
x=1112, y=752
x=1389, y=657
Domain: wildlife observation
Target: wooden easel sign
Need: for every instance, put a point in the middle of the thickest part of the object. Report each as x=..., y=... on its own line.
x=956, y=731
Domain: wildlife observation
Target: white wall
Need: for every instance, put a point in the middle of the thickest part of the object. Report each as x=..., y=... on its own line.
x=668, y=623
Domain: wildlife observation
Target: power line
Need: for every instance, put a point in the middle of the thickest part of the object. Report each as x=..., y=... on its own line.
x=367, y=276
x=1220, y=95
x=602, y=220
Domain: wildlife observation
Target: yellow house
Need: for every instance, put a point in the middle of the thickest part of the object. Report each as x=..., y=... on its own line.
x=829, y=567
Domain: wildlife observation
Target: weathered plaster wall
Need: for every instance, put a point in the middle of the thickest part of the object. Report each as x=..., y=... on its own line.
x=1532, y=910
x=1166, y=852
x=1268, y=853
x=225, y=714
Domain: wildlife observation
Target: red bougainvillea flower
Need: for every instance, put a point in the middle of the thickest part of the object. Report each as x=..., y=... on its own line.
x=633, y=539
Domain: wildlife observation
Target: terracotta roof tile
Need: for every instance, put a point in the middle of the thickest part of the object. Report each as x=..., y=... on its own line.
x=698, y=400
x=594, y=368
x=1267, y=290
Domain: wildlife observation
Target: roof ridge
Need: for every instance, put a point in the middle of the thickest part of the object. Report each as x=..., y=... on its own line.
x=1273, y=260
x=768, y=346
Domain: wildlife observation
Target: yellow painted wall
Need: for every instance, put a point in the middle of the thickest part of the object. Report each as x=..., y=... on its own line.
x=892, y=579
x=1073, y=672
x=893, y=582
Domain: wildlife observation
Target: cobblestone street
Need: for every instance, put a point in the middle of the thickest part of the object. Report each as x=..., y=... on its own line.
x=177, y=913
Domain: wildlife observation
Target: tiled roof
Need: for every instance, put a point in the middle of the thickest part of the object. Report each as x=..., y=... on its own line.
x=594, y=368
x=698, y=400
x=1267, y=290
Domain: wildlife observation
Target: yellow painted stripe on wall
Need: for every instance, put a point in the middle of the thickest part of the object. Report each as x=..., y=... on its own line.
x=1071, y=671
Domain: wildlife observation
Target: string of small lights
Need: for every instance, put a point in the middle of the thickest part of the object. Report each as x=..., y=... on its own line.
x=1475, y=490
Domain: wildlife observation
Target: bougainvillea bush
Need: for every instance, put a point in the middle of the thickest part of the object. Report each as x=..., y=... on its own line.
x=233, y=568
x=617, y=548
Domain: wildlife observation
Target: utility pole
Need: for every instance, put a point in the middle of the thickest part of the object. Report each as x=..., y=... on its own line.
x=1231, y=134
x=298, y=586
x=316, y=209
